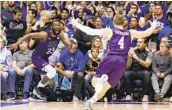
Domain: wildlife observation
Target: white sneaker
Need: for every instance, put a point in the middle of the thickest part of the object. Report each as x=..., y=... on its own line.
x=145, y=98
x=75, y=98
x=100, y=83
x=88, y=106
x=170, y=100
x=128, y=98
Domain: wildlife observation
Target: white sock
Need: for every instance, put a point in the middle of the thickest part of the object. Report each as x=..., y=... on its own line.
x=41, y=85
x=93, y=99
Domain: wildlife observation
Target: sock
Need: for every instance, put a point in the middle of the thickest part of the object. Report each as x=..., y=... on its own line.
x=93, y=99
x=43, y=82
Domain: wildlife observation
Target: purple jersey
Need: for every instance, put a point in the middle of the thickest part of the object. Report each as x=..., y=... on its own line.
x=120, y=42
x=47, y=48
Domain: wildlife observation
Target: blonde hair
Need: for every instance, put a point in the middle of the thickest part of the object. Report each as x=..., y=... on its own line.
x=101, y=45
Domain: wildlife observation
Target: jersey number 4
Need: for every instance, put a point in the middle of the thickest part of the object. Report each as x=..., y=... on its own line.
x=121, y=43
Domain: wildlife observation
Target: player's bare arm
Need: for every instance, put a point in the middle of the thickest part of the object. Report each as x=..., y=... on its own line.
x=146, y=33
x=65, y=39
x=37, y=35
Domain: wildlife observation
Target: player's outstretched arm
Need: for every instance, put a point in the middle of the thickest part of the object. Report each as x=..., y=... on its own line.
x=36, y=35
x=65, y=39
x=146, y=33
x=107, y=32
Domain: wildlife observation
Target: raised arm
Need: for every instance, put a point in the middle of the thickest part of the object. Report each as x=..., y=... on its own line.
x=146, y=33
x=65, y=39
x=107, y=32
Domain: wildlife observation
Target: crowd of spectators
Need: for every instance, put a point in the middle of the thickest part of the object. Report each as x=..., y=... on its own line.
x=149, y=59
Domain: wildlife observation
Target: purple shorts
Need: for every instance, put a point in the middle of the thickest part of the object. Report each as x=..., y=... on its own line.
x=39, y=62
x=113, y=66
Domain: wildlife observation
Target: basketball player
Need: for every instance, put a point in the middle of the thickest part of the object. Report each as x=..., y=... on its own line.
x=49, y=43
x=112, y=67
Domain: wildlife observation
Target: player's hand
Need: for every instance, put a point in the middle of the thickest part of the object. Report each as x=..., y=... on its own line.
x=154, y=23
x=13, y=46
x=73, y=21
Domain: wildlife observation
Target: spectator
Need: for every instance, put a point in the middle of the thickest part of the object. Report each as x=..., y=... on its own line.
x=31, y=20
x=5, y=4
x=134, y=24
x=162, y=68
x=98, y=44
x=133, y=12
x=90, y=69
x=108, y=21
x=64, y=17
x=7, y=13
x=138, y=65
x=99, y=25
x=5, y=65
x=32, y=5
x=22, y=66
x=62, y=85
x=16, y=27
x=74, y=61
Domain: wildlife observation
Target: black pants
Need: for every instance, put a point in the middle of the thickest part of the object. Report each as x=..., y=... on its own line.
x=130, y=76
x=63, y=95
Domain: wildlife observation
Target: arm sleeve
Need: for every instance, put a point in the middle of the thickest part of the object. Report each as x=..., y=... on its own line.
x=107, y=32
x=15, y=56
x=168, y=71
x=154, y=65
x=141, y=34
x=81, y=64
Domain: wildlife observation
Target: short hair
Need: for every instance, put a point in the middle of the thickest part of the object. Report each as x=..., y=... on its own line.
x=17, y=10
x=135, y=5
x=98, y=17
x=112, y=10
x=135, y=18
x=33, y=12
x=158, y=4
x=119, y=19
x=65, y=9
x=145, y=40
x=166, y=44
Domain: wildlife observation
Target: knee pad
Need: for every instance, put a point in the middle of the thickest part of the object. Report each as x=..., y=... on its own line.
x=51, y=72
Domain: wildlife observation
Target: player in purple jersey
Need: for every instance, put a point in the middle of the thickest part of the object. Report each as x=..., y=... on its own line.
x=49, y=43
x=112, y=67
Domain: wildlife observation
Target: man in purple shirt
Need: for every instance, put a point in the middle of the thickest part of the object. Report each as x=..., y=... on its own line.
x=112, y=67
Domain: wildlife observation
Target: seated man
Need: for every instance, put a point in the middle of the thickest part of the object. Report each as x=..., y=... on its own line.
x=162, y=69
x=74, y=61
x=22, y=66
x=138, y=65
x=5, y=65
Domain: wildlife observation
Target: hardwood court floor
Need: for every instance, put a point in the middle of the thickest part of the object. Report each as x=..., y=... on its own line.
x=80, y=106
